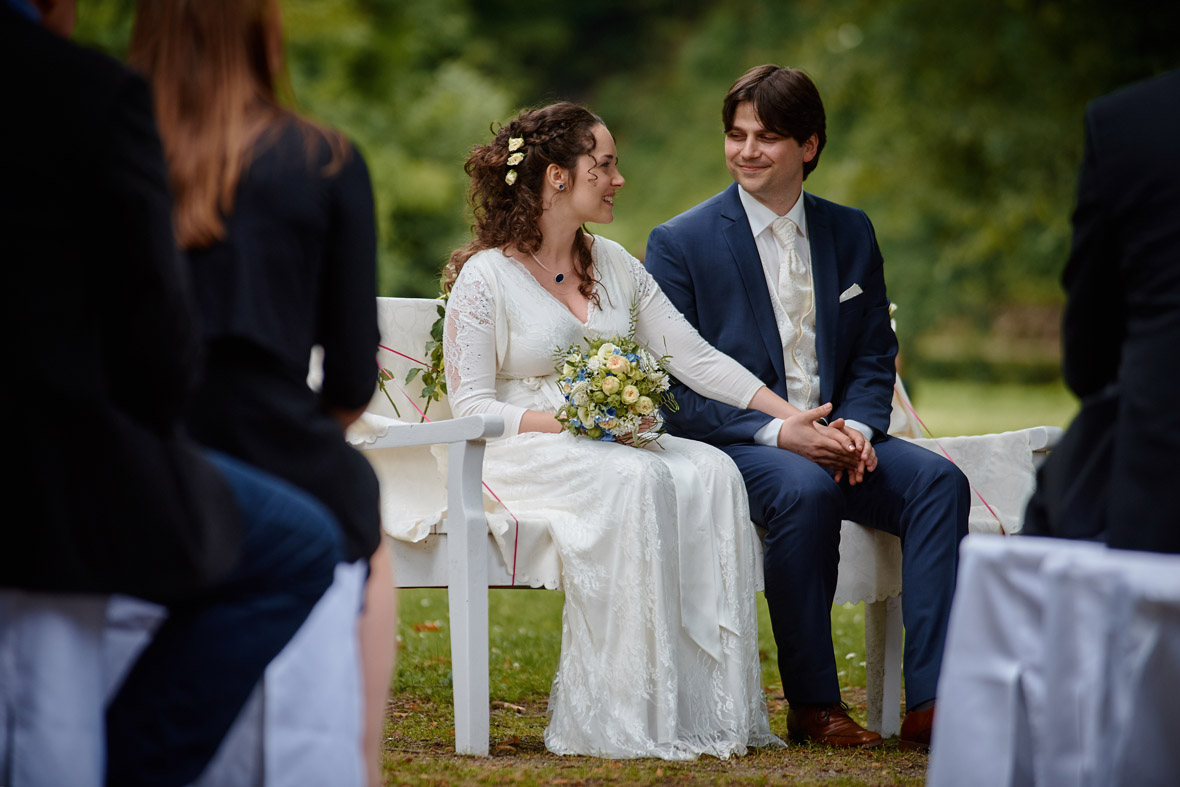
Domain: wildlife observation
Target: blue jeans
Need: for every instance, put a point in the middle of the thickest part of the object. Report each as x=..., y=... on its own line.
x=187, y=687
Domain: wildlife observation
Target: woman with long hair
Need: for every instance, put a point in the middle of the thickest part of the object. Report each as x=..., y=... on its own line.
x=659, y=650
x=275, y=217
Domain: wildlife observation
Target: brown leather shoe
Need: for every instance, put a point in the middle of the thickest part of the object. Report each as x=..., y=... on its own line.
x=829, y=725
x=915, y=730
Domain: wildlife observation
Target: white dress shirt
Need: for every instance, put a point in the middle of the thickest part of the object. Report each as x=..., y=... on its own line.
x=770, y=254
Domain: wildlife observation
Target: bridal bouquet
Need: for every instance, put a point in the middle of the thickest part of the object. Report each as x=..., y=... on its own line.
x=611, y=389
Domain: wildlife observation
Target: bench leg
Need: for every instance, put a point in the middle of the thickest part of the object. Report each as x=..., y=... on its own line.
x=883, y=641
x=467, y=539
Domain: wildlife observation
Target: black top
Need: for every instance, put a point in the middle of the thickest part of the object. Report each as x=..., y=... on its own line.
x=101, y=347
x=1122, y=314
x=297, y=268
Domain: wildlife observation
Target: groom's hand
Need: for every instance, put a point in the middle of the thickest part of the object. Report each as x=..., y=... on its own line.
x=827, y=446
x=867, y=456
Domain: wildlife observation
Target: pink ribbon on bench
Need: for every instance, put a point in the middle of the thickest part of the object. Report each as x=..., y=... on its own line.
x=910, y=407
x=402, y=355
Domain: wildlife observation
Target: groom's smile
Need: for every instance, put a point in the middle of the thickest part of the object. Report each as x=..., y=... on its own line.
x=766, y=164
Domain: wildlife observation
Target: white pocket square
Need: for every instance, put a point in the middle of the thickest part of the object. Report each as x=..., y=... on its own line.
x=850, y=293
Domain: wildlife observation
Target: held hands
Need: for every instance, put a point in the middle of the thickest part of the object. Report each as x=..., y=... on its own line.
x=837, y=447
x=646, y=424
x=867, y=455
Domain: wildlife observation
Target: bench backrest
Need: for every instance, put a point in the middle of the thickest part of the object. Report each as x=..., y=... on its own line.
x=405, y=325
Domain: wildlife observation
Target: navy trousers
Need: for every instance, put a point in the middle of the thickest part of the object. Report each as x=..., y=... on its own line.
x=183, y=693
x=913, y=494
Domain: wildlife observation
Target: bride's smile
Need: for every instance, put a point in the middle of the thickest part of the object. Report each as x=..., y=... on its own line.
x=596, y=180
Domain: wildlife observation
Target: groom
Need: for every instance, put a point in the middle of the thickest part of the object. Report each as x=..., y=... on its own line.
x=792, y=287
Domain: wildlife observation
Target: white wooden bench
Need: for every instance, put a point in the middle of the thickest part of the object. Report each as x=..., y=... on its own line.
x=458, y=552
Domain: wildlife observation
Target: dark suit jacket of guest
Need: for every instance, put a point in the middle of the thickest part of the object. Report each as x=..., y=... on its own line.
x=102, y=493
x=719, y=285
x=1122, y=320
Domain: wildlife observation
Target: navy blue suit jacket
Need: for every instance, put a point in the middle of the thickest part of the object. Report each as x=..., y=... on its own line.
x=707, y=263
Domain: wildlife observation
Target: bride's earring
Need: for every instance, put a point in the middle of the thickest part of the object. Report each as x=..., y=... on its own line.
x=561, y=187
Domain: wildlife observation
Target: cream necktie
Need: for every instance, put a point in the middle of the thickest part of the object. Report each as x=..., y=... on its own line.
x=794, y=279
x=798, y=335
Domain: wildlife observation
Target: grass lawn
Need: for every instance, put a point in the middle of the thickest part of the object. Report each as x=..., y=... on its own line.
x=525, y=635
x=950, y=408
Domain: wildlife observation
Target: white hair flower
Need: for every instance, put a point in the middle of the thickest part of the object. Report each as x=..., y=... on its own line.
x=510, y=178
x=515, y=143
x=515, y=159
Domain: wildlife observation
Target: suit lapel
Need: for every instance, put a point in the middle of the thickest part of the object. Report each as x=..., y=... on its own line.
x=825, y=280
x=749, y=264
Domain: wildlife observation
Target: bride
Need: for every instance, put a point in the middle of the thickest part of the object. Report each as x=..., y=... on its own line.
x=659, y=646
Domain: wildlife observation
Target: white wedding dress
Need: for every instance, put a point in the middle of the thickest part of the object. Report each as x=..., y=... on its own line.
x=659, y=645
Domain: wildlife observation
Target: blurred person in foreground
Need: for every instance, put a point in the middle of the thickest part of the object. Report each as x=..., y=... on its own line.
x=103, y=350
x=1110, y=477
x=275, y=217
x=793, y=287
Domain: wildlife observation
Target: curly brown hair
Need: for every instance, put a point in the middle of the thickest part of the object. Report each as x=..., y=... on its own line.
x=508, y=214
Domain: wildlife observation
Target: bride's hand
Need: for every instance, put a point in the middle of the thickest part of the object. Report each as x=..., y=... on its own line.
x=536, y=421
x=647, y=424
x=825, y=445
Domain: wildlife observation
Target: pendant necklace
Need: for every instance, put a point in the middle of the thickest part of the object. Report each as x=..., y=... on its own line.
x=558, y=278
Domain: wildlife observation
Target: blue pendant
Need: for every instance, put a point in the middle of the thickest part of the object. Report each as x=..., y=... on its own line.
x=559, y=278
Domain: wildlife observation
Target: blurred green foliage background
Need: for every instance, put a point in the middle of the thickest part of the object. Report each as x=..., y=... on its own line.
x=956, y=125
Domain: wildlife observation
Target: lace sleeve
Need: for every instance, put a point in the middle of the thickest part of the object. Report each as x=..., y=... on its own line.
x=693, y=361
x=469, y=350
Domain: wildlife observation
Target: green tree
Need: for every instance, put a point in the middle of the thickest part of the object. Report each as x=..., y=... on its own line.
x=957, y=126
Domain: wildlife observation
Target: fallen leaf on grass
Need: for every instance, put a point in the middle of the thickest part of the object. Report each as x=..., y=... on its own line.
x=509, y=705
x=429, y=625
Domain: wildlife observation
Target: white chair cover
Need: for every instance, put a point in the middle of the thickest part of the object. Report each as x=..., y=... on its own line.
x=302, y=724
x=1061, y=666
x=51, y=697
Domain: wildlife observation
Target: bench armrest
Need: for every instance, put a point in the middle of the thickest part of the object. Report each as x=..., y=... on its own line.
x=452, y=430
